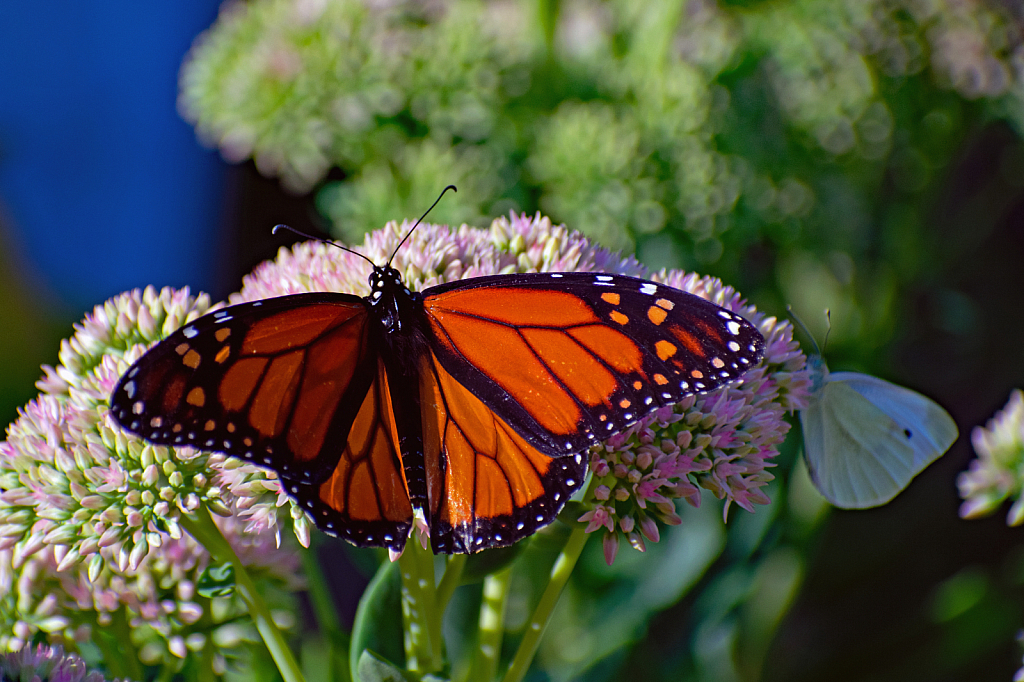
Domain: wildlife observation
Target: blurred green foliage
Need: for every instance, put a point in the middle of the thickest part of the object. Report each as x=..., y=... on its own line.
x=792, y=147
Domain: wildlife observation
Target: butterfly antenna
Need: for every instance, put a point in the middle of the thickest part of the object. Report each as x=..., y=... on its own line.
x=321, y=239
x=407, y=234
x=804, y=329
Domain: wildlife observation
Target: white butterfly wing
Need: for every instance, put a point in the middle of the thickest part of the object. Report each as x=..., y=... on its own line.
x=865, y=438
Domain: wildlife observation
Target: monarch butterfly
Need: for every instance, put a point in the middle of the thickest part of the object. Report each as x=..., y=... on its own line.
x=469, y=405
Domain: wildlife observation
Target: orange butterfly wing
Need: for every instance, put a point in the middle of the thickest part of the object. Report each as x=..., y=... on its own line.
x=567, y=359
x=291, y=383
x=518, y=375
x=486, y=485
x=366, y=498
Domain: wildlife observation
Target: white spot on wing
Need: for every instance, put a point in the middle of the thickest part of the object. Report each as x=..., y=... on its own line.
x=648, y=288
x=189, y=332
x=734, y=328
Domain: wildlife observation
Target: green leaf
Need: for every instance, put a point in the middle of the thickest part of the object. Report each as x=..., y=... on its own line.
x=217, y=581
x=480, y=565
x=373, y=668
x=378, y=622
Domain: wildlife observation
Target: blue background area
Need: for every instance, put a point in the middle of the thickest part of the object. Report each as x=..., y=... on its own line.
x=103, y=185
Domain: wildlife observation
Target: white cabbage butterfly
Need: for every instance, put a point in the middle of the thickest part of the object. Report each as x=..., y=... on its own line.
x=865, y=439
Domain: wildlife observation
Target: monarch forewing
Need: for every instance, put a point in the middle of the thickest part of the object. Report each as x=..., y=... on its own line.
x=239, y=381
x=571, y=357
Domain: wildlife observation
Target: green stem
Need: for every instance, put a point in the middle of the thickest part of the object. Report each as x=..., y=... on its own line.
x=547, y=15
x=166, y=674
x=420, y=619
x=201, y=526
x=450, y=580
x=492, y=626
x=114, y=641
x=204, y=672
x=560, y=572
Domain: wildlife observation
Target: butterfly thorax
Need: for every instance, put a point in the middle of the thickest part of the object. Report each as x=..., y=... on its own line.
x=390, y=298
x=818, y=373
x=397, y=310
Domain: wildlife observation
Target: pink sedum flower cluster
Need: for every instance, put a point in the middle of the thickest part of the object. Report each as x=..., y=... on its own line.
x=90, y=515
x=723, y=441
x=997, y=474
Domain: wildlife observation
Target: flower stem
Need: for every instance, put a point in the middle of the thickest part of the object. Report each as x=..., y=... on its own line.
x=492, y=625
x=560, y=572
x=119, y=654
x=201, y=526
x=450, y=580
x=420, y=619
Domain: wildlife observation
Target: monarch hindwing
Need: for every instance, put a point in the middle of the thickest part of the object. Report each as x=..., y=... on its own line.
x=365, y=499
x=568, y=359
x=488, y=487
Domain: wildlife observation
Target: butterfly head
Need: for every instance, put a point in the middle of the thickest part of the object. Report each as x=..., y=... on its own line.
x=819, y=372
x=388, y=296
